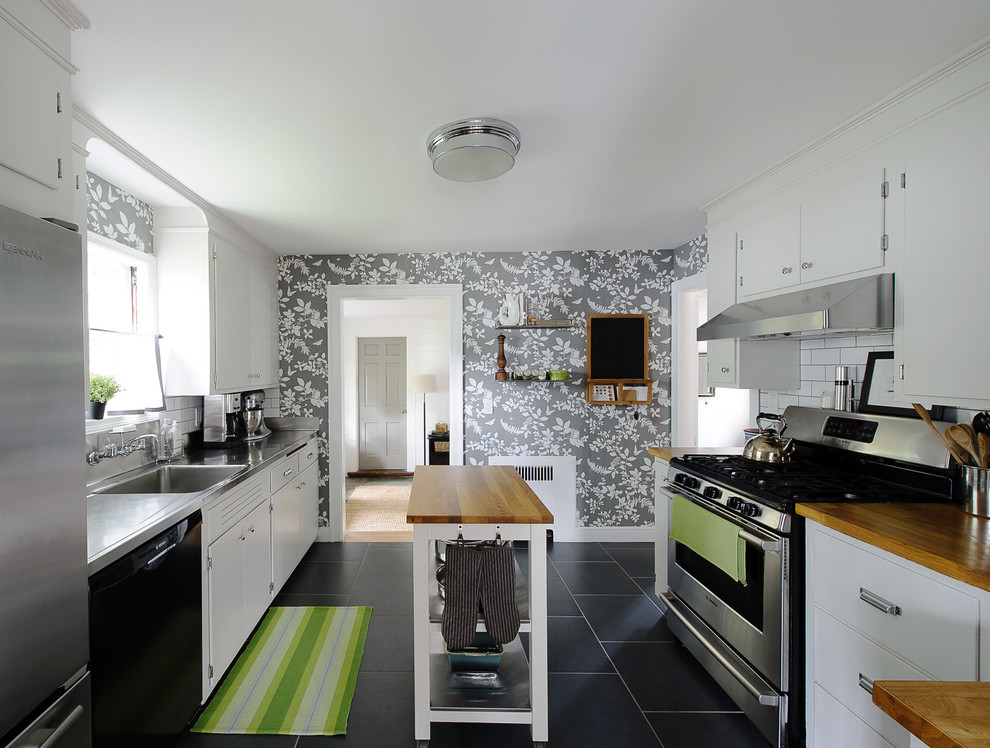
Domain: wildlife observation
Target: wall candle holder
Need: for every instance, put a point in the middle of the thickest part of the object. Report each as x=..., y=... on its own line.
x=501, y=375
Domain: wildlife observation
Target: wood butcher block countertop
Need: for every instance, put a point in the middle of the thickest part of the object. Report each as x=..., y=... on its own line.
x=941, y=537
x=473, y=494
x=943, y=714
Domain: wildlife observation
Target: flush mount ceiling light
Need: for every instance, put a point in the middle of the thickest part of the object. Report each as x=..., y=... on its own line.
x=473, y=150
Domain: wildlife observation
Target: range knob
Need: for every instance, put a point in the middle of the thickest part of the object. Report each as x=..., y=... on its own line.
x=751, y=510
x=711, y=492
x=734, y=502
x=687, y=481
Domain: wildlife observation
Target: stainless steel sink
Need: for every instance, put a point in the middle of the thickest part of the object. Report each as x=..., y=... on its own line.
x=176, y=479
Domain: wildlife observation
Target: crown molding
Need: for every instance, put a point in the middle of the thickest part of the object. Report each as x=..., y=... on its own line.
x=67, y=13
x=135, y=156
x=957, y=62
x=45, y=47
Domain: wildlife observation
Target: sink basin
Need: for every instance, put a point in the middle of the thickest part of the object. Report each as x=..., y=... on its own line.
x=176, y=479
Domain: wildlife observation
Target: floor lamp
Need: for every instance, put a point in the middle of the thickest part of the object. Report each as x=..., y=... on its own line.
x=427, y=384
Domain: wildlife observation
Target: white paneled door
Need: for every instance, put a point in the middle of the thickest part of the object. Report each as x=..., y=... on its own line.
x=382, y=403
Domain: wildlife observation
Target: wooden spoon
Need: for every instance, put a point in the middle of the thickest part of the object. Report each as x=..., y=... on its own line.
x=983, y=441
x=928, y=419
x=965, y=438
x=962, y=457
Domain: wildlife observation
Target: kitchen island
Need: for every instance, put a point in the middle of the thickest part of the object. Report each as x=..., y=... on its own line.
x=478, y=503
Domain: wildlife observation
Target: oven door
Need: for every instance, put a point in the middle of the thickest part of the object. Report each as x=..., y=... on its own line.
x=749, y=617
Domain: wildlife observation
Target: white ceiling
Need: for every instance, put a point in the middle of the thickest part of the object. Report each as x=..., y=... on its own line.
x=305, y=121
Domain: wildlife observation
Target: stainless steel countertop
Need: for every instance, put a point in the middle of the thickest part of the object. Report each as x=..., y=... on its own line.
x=119, y=523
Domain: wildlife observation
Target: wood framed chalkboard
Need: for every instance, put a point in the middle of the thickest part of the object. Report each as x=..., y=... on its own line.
x=618, y=347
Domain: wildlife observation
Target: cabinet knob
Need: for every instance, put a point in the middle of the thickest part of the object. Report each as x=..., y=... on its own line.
x=251, y=528
x=807, y=265
x=785, y=271
x=287, y=473
x=725, y=369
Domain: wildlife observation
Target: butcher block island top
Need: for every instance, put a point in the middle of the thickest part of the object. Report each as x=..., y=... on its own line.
x=473, y=494
x=942, y=714
x=941, y=537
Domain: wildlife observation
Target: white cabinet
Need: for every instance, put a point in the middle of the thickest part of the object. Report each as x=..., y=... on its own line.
x=36, y=101
x=245, y=320
x=942, y=290
x=834, y=234
x=768, y=364
x=295, y=500
x=217, y=314
x=874, y=616
x=239, y=584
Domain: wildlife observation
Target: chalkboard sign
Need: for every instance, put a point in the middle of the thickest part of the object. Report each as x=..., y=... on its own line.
x=618, y=346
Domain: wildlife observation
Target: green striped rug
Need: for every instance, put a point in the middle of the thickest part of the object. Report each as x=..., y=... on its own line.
x=295, y=677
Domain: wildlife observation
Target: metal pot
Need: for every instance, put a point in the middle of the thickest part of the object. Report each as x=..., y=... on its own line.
x=767, y=446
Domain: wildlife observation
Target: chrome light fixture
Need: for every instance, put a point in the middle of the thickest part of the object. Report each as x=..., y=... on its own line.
x=473, y=150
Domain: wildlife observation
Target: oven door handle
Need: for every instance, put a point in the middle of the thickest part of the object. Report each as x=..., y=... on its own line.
x=771, y=546
x=763, y=697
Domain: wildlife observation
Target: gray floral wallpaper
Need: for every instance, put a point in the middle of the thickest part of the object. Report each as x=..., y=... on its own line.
x=113, y=213
x=614, y=469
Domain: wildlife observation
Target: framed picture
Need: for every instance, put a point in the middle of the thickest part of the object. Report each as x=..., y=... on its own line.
x=878, y=389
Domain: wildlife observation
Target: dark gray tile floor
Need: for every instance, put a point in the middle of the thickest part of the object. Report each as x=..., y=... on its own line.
x=617, y=675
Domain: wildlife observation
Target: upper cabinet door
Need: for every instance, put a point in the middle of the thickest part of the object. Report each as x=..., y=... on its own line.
x=34, y=91
x=232, y=336
x=264, y=331
x=842, y=231
x=940, y=336
x=768, y=253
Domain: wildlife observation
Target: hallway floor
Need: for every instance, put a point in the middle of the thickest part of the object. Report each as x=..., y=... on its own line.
x=617, y=676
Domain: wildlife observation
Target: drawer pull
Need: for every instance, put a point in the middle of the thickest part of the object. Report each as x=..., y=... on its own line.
x=287, y=473
x=866, y=684
x=309, y=456
x=878, y=602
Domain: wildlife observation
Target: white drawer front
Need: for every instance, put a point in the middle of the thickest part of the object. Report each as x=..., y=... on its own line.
x=284, y=472
x=228, y=508
x=842, y=657
x=308, y=454
x=836, y=726
x=936, y=627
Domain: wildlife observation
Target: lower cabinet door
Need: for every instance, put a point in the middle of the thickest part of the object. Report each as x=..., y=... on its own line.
x=836, y=726
x=285, y=533
x=309, y=507
x=257, y=565
x=226, y=579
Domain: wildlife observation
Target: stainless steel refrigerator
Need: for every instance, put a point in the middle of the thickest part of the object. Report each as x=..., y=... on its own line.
x=44, y=683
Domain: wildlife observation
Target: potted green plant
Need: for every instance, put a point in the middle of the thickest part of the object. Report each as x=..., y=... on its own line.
x=101, y=388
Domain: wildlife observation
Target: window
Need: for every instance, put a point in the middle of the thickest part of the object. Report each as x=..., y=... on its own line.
x=123, y=324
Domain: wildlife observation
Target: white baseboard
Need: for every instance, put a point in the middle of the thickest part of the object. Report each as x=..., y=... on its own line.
x=616, y=534
x=324, y=535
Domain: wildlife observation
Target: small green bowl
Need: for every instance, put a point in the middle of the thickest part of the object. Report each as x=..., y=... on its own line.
x=558, y=375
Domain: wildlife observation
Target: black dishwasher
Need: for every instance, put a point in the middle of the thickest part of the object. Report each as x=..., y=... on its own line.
x=145, y=624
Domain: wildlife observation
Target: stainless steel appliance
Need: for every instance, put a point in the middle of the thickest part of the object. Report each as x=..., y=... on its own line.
x=253, y=408
x=146, y=644
x=223, y=427
x=44, y=682
x=748, y=632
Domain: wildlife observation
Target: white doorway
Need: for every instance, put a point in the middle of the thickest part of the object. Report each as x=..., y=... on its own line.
x=701, y=417
x=382, y=403
x=357, y=311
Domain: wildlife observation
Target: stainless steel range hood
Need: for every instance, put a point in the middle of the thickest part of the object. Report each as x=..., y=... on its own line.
x=861, y=306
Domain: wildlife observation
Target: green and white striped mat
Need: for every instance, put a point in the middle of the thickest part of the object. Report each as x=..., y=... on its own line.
x=295, y=677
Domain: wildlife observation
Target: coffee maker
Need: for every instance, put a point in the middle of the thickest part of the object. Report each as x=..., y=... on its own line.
x=223, y=427
x=253, y=412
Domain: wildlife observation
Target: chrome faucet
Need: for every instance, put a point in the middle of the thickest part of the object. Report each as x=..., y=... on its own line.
x=111, y=450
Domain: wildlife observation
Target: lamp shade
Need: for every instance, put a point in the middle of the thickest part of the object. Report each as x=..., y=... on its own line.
x=423, y=383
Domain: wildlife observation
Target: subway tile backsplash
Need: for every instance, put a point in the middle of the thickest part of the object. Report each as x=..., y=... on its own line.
x=818, y=361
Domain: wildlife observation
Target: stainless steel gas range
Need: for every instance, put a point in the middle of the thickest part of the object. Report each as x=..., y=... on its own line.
x=734, y=570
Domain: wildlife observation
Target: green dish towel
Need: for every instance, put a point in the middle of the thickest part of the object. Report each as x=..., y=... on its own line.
x=710, y=536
